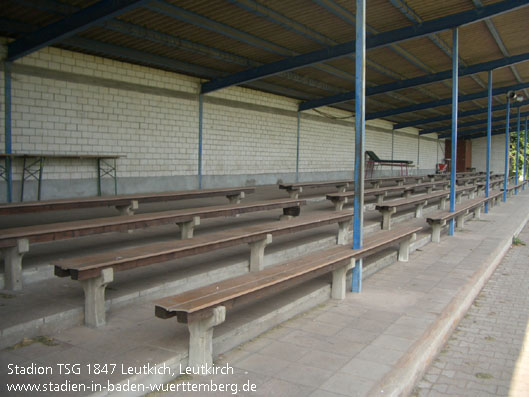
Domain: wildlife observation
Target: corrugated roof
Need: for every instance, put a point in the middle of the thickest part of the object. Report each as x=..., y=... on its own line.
x=221, y=37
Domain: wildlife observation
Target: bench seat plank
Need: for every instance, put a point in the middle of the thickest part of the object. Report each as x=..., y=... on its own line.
x=226, y=292
x=119, y=200
x=446, y=215
x=124, y=259
x=72, y=229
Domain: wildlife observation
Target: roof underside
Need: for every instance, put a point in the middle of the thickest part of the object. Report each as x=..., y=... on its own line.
x=211, y=39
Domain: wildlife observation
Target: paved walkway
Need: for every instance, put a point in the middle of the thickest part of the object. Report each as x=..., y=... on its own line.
x=373, y=343
x=488, y=354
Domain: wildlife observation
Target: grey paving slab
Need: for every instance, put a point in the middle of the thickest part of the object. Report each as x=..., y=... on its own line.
x=486, y=354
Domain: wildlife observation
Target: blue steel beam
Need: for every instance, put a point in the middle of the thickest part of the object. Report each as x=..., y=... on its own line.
x=471, y=131
x=311, y=34
x=442, y=102
x=453, y=155
x=373, y=41
x=158, y=37
x=342, y=13
x=499, y=42
x=186, y=16
x=484, y=134
x=70, y=25
x=473, y=112
x=525, y=154
x=416, y=81
x=489, y=140
x=517, y=150
x=200, y=137
x=360, y=73
x=144, y=58
x=435, y=38
x=507, y=147
x=468, y=124
x=7, y=130
x=161, y=38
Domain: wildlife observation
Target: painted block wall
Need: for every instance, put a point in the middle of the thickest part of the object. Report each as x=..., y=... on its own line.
x=70, y=103
x=479, y=150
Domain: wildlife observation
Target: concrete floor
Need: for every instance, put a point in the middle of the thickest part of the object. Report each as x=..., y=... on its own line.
x=381, y=339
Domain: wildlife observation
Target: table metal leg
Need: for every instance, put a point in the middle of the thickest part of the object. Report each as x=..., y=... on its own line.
x=28, y=172
x=41, y=166
x=23, y=180
x=106, y=168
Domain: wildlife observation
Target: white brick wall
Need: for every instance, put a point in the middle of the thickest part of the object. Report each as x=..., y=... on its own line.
x=479, y=150
x=325, y=147
x=405, y=147
x=101, y=106
x=241, y=141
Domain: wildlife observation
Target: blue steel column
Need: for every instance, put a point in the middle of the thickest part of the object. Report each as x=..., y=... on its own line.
x=525, y=153
x=7, y=125
x=453, y=160
x=297, y=148
x=507, y=139
x=200, y=126
x=517, y=150
x=360, y=71
x=489, y=141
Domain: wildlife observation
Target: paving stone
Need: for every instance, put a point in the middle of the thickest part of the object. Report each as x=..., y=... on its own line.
x=478, y=359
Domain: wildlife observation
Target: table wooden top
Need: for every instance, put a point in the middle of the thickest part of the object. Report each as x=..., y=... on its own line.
x=61, y=156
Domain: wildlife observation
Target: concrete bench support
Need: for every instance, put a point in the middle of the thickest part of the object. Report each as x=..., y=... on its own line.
x=128, y=209
x=290, y=212
x=404, y=248
x=201, y=338
x=460, y=220
x=13, y=264
x=94, y=298
x=339, y=203
x=294, y=193
x=343, y=232
x=342, y=188
x=442, y=203
x=380, y=197
x=257, y=253
x=235, y=198
x=187, y=228
x=339, y=277
x=477, y=212
x=436, y=231
x=418, y=209
x=386, y=218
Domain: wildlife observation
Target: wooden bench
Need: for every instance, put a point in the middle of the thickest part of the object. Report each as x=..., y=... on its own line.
x=513, y=188
x=125, y=204
x=96, y=271
x=204, y=308
x=493, y=184
x=14, y=242
x=439, y=219
x=340, y=199
x=294, y=189
x=387, y=209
